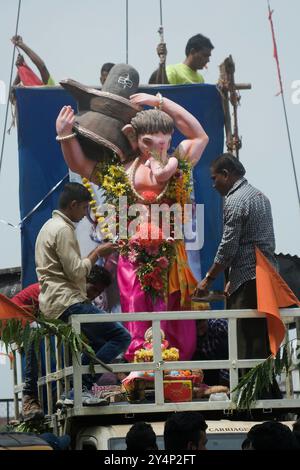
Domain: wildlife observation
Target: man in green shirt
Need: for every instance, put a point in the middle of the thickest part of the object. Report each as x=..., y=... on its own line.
x=197, y=51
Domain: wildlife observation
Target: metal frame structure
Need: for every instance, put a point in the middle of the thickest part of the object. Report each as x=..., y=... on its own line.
x=75, y=371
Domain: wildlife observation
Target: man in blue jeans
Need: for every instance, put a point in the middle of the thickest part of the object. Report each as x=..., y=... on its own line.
x=62, y=275
x=97, y=280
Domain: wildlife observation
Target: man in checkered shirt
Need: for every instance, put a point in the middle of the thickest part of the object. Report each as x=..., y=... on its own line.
x=247, y=223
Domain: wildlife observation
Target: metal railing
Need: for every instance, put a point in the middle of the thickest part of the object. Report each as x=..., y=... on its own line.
x=66, y=371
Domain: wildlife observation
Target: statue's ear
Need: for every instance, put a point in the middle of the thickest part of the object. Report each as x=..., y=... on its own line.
x=130, y=133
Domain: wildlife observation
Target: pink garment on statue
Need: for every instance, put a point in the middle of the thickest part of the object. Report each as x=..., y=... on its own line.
x=180, y=334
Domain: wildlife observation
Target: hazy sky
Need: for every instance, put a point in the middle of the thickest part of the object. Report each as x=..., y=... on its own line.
x=75, y=38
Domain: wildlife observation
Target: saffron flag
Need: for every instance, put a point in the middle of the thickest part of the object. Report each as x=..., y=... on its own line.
x=9, y=311
x=272, y=293
x=28, y=77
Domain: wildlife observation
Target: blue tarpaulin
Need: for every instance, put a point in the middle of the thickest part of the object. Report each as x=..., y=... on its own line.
x=41, y=164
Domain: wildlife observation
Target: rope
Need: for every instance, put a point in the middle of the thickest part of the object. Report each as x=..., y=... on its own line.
x=281, y=92
x=36, y=206
x=160, y=9
x=161, y=28
x=126, y=31
x=10, y=82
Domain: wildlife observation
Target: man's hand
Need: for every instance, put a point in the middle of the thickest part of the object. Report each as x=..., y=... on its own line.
x=17, y=40
x=105, y=249
x=65, y=121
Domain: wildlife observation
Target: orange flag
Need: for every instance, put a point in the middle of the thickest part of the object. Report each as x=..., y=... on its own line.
x=272, y=293
x=9, y=310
